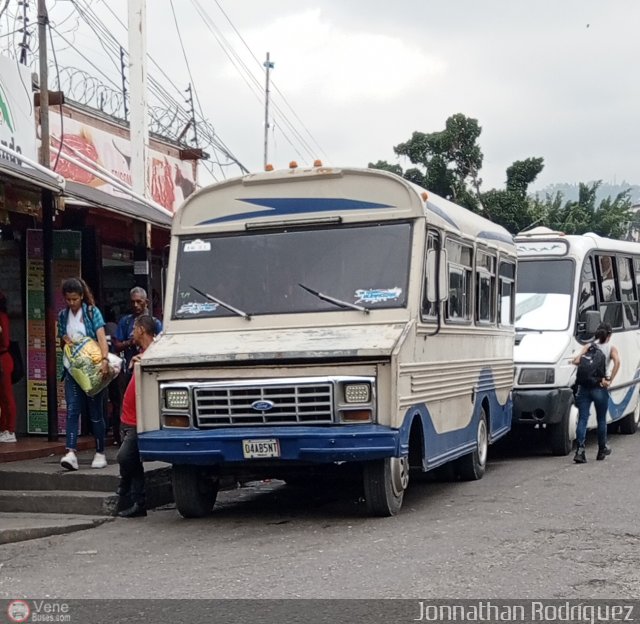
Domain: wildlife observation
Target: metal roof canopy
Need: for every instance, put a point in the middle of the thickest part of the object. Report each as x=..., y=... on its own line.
x=30, y=175
x=127, y=207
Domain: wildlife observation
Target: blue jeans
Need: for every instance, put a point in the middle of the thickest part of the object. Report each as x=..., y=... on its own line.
x=599, y=396
x=76, y=398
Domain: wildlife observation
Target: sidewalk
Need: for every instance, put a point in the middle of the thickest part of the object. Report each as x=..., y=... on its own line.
x=31, y=447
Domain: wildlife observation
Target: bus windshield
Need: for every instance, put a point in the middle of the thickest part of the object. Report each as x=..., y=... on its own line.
x=268, y=272
x=543, y=296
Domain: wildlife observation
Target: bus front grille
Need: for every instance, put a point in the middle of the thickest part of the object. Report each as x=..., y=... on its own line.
x=296, y=404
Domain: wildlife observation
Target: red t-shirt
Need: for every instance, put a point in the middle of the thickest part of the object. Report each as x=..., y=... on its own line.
x=129, y=416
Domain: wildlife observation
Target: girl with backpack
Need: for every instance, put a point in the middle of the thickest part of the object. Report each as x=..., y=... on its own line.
x=81, y=318
x=593, y=387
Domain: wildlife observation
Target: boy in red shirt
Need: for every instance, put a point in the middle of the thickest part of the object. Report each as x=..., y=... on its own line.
x=131, y=469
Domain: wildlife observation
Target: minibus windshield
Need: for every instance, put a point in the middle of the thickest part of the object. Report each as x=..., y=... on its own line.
x=282, y=272
x=543, y=295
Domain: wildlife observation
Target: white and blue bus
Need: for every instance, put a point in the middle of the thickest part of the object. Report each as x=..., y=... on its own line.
x=566, y=286
x=327, y=317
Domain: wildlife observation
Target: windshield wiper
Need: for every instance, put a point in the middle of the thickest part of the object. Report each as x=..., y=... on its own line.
x=222, y=303
x=338, y=302
x=523, y=329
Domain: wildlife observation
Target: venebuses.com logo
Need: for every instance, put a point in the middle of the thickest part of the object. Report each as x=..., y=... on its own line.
x=18, y=611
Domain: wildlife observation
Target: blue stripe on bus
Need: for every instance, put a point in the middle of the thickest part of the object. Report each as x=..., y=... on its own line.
x=442, y=214
x=498, y=236
x=277, y=206
x=618, y=410
x=444, y=447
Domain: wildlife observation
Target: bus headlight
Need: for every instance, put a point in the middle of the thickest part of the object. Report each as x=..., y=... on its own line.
x=357, y=393
x=176, y=398
x=536, y=376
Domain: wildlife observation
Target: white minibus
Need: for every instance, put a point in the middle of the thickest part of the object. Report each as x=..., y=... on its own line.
x=566, y=286
x=321, y=318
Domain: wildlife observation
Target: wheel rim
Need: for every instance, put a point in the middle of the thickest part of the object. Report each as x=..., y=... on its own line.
x=399, y=474
x=483, y=442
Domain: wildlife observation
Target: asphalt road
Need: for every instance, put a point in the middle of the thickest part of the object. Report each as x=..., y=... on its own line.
x=536, y=526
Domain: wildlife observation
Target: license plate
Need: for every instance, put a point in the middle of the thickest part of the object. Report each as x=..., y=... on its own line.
x=257, y=449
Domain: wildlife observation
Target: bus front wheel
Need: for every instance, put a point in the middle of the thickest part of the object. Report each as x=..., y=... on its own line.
x=629, y=424
x=385, y=481
x=560, y=436
x=194, y=491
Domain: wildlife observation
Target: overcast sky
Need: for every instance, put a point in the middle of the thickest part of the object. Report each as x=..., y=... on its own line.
x=553, y=78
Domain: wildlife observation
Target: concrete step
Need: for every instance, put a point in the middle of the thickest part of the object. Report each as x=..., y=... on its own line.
x=58, y=502
x=42, y=486
x=17, y=527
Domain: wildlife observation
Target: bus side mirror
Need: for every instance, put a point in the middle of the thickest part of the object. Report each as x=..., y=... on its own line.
x=437, y=276
x=592, y=320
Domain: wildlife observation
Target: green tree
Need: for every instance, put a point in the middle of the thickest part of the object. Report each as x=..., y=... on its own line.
x=611, y=218
x=511, y=207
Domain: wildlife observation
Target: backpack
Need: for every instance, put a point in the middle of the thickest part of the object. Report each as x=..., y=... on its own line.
x=592, y=367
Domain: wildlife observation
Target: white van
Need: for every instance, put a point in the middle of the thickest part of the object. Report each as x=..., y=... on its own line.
x=566, y=286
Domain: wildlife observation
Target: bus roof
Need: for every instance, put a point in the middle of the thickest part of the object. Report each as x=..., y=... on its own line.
x=325, y=194
x=542, y=241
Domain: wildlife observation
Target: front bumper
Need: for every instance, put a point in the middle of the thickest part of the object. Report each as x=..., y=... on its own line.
x=302, y=444
x=532, y=407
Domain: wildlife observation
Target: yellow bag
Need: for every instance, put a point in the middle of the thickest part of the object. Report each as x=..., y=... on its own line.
x=83, y=361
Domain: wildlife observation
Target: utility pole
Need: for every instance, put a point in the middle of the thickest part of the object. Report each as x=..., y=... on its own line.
x=48, y=213
x=139, y=134
x=268, y=66
x=138, y=108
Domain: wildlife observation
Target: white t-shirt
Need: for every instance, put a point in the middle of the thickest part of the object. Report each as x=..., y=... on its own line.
x=605, y=347
x=75, y=325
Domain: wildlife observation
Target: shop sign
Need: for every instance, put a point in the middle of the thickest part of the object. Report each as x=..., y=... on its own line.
x=171, y=180
x=17, y=121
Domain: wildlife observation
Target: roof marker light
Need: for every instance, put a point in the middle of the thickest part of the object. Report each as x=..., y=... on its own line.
x=424, y=196
x=293, y=164
x=268, y=167
x=317, y=163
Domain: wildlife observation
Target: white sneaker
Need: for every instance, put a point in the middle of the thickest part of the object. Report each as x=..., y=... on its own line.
x=99, y=461
x=69, y=461
x=5, y=436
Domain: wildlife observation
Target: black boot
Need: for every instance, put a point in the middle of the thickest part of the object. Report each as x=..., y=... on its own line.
x=580, y=457
x=603, y=451
x=135, y=511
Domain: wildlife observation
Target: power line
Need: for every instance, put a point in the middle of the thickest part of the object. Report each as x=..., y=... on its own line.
x=246, y=45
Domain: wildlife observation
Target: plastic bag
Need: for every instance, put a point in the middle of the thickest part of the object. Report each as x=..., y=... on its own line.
x=83, y=361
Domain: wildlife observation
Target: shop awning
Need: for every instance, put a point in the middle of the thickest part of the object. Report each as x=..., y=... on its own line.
x=136, y=210
x=32, y=176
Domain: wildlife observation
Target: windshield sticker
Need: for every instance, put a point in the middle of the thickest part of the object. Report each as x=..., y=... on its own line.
x=197, y=245
x=378, y=295
x=197, y=308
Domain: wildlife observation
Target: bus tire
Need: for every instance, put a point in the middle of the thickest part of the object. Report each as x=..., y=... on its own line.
x=629, y=424
x=194, y=491
x=385, y=481
x=559, y=436
x=471, y=467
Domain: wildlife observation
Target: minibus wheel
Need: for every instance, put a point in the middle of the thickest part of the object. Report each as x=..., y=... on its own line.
x=471, y=467
x=194, y=491
x=629, y=424
x=559, y=437
x=385, y=481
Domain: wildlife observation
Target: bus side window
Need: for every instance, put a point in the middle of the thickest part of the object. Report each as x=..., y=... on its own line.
x=460, y=263
x=610, y=304
x=429, y=308
x=506, y=281
x=628, y=292
x=587, y=299
x=485, y=288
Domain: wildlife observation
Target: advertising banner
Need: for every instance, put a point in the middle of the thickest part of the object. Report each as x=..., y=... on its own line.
x=66, y=263
x=171, y=180
x=17, y=121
